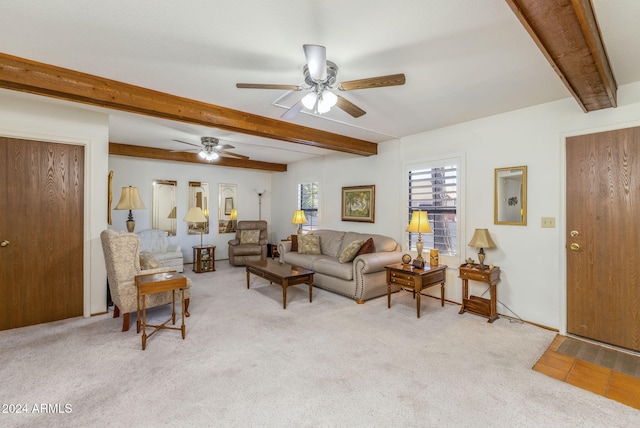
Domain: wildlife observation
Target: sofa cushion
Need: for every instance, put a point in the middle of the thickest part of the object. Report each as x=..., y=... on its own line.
x=249, y=236
x=147, y=261
x=330, y=266
x=309, y=244
x=301, y=260
x=366, y=248
x=330, y=241
x=349, y=253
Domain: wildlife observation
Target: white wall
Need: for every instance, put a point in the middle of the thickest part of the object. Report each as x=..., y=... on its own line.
x=129, y=171
x=532, y=259
x=37, y=118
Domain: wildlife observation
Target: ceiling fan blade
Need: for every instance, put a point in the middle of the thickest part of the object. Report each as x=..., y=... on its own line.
x=293, y=110
x=373, y=82
x=191, y=144
x=223, y=146
x=316, y=61
x=268, y=86
x=349, y=107
x=226, y=153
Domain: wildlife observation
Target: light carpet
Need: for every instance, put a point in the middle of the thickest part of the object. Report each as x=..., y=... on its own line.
x=246, y=362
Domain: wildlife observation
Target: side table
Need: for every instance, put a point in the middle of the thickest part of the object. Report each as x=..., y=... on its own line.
x=158, y=283
x=407, y=276
x=475, y=304
x=204, y=258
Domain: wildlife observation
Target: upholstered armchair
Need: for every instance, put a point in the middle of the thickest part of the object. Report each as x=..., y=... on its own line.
x=250, y=243
x=156, y=242
x=122, y=259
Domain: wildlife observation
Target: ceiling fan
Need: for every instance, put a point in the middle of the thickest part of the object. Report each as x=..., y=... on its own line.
x=211, y=149
x=320, y=79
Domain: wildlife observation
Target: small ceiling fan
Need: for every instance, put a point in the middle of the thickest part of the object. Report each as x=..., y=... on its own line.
x=211, y=149
x=320, y=79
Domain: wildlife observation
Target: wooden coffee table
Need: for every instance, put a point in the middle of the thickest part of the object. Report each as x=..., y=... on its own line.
x=282, y=274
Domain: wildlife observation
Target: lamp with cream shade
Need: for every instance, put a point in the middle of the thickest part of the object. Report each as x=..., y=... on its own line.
x=419, y=224
x=299, y=219
x=481, y=239
x=130, y=200
x=195, y=215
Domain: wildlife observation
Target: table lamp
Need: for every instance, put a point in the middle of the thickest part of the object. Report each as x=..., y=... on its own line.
x=481, y=239
x=419, y=224
x=195, y=215
x=299, y=219
x=130, y=200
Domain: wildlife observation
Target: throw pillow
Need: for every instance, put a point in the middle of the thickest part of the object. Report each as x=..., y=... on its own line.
x=147, y=261
x=349, y=253
x=309, y=244
x=294, y=243
x=249, y=236
x=366, y=248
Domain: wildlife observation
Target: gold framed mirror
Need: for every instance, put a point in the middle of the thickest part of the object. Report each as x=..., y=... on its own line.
x=199, y=197
x=510, y=196
x=164, y=210
x=227, y=208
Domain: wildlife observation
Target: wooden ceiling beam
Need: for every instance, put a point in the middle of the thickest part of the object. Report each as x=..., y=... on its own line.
x=24, y=75
x=567, y=33
x=167, y=155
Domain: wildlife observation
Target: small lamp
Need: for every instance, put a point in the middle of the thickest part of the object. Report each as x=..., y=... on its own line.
x=481, y=239
x=299, y=219
x=195, y=215
x=419, y=224
x=130, y=200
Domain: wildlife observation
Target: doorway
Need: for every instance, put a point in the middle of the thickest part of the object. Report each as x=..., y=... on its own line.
x=603, y=237
x=41, y=232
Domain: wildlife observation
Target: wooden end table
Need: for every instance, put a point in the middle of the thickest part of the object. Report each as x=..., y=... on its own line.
x=158, y=283
x=204, y=258
x=407, y=276
x=282, y=274
x=475, y=304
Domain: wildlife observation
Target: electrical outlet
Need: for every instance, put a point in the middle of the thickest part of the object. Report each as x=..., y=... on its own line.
x=549, y=222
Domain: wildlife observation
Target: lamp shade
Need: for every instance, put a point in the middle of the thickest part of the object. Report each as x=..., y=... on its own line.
x=298, y=217
x=172, y=214
x=419, y=223
x=482, y=239
x=234, y=214
x=130, y=199
x=195, y=215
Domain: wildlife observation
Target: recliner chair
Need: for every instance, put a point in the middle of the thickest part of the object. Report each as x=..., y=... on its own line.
x=250, y=243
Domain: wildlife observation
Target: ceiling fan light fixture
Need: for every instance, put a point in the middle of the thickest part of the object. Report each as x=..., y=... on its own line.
x=327, y=100
x=309, y=100
x=212, y=156
x=202, y=154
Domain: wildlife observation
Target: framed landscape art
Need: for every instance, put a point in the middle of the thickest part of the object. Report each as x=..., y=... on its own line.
x=359, y=203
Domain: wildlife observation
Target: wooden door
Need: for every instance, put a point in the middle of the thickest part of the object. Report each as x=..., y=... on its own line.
x=603, y=237
x=41, y=222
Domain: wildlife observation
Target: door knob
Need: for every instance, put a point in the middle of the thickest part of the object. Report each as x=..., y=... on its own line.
x=574, y=246
x=4, y=243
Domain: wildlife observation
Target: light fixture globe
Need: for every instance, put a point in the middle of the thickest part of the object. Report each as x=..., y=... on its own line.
x=309, y=100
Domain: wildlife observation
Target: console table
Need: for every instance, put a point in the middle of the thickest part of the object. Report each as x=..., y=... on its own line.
x=407, y=276
x=475, y=304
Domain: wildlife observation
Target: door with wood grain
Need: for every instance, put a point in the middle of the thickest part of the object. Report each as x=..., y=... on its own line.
x=41, y=232
x=603, y=237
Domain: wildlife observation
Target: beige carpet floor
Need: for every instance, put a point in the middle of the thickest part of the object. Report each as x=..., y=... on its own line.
x=246, y=362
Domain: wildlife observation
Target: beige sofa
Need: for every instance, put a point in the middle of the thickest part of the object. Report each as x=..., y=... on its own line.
x=361, y=279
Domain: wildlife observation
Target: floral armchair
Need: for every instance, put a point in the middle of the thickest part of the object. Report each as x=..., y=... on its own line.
x=122, y=259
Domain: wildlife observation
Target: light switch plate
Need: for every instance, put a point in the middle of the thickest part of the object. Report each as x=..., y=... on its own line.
x=548, y=222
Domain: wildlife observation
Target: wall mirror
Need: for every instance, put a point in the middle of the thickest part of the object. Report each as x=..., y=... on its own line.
x=227, y=208
x=164, y=212
x=510, y=196
x=198, y=197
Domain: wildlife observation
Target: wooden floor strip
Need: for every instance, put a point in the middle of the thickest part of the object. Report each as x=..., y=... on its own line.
x=582, y=374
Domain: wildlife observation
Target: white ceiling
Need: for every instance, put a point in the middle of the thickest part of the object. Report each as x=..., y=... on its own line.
x=463, y=59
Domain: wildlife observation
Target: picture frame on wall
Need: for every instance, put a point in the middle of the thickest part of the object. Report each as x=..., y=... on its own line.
x=359, y=203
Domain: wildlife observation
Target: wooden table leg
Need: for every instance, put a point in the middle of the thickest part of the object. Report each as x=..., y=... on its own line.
x=442, y=294
x=310, y=289
x=465, y=294
x=248, y=278
x=285, y=284
x=183, y=328
x=417, y=300
x=388, y=294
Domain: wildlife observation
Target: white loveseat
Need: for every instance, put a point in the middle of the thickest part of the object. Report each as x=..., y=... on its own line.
x=157, y=243
x=361, y=279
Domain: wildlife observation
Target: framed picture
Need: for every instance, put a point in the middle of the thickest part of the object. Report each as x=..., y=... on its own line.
x=359, y=203
x=228, y=205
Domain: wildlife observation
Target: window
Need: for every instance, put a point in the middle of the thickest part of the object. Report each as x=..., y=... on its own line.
x=308, y=202
x=434, y=188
